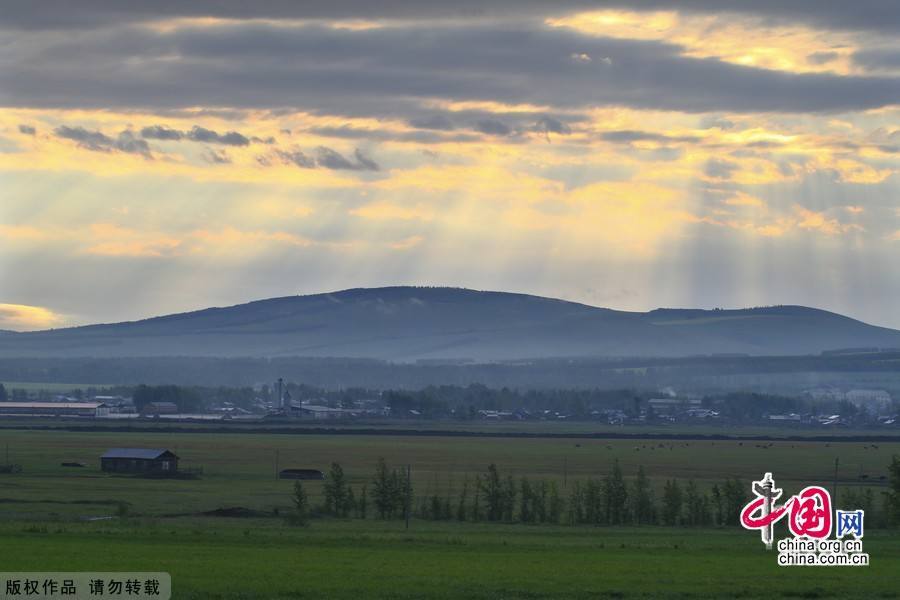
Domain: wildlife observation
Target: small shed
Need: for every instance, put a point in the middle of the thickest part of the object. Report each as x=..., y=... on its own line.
x=139, y=460
x=313, y=474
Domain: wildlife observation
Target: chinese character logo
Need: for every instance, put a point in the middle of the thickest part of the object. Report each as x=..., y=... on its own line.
x=849, y=522
x=810, y=511
x=810, y=520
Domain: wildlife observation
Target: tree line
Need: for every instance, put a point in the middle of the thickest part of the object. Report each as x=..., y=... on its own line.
x=610, y=500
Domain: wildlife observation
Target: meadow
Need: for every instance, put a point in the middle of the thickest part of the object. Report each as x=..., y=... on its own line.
x=44, y=514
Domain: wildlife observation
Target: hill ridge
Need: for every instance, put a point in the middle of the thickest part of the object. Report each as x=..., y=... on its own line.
x=415, y=322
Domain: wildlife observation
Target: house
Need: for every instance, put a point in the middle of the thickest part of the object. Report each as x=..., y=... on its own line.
x=54, y=409
x=160, y=408
x=139, y=460
x=322, y=412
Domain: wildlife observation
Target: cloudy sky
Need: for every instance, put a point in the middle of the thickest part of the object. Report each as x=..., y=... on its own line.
x=169, y=155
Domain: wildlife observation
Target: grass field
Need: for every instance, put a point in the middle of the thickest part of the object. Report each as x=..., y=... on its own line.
x=42, y=512
x=215, y=558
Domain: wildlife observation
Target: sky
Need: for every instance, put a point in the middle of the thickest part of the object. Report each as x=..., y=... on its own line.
x=158, y=157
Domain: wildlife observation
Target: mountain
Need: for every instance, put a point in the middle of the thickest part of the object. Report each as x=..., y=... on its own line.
x=409, y=323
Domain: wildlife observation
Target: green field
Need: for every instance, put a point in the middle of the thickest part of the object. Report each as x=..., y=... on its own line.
x=43, y=512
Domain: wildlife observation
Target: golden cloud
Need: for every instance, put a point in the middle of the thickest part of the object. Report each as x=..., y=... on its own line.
x=22, y=317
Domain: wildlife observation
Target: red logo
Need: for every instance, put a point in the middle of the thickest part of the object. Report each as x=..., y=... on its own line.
x=810, y=511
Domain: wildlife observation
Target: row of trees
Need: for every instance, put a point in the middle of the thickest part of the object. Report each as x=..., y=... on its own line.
x=611, y=500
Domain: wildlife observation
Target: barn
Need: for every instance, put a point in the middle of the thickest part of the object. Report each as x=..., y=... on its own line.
x=139, y=460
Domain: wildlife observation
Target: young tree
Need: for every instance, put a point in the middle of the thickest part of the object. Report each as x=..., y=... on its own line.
x=540, y=502
x=696, y=505
x=641, y=499
x=594, y=499
x=363, y=504
x=337, y=495
x=671, y=509
x=892, y=496
x=735, y=497
x=508, y=500
x=492, y=488
x=463, y=498
x=3, y=395
x=382, y=491
x=555, y=505
x=616, y=495
x=718, y=505
x=526, y=512
x=575, y=514
x=301, y=504
x=476, y=499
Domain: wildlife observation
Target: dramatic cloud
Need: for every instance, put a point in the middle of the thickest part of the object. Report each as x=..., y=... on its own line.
x=629, y=136
x=97, y=141
x=325, y=158
x=330, y=159
x=879, y=58
x=232, y=138
x=159, y=132
x=359, y=72
x=439, y=122
x=876, y=15
x=692, y=152
x=297, y=158
x=196, y=134
x=492, y=127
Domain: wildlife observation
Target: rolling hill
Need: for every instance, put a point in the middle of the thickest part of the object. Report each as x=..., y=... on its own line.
x=407, y=323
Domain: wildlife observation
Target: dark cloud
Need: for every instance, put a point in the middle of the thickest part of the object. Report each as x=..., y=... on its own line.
x=880, y=58
x=200, y=134
x=161, y=132
x=331, y=159
x=364, y=162
x=127, y=141
x=720, y=168
x=439, y=122
x=325, y=158
x=231, y=138
x=217, y=157
x=821, y=58
x=27, y=129
x=91, y=140
x=492, y=127
x=627, y=136
x=385, y=135
x=295, y=157
x=551, y=125
x=878, y=15
x=98, y=141
x=393, y=71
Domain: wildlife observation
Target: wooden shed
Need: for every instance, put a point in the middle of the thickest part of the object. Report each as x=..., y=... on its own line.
x=139, y=460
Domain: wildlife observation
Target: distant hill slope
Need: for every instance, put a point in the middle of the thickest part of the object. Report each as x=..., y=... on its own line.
x=407, y=323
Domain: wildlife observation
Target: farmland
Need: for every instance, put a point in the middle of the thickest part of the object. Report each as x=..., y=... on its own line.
x=43, y=513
